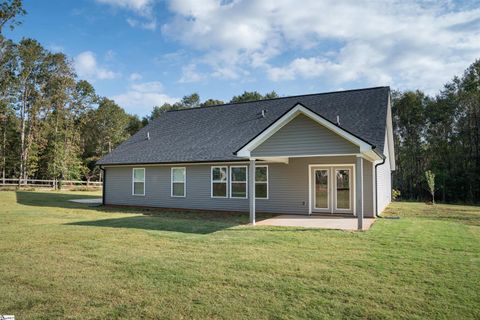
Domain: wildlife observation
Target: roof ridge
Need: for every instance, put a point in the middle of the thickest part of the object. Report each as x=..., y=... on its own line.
x=278, y=98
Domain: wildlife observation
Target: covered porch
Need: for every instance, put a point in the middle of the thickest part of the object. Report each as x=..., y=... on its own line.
x=338, y=192
x=337, y=167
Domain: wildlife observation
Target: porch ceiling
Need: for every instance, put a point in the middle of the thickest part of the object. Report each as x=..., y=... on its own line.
x=274, y=159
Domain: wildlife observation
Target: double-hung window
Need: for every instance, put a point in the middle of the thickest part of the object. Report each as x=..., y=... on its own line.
x=219, y=182
x=138, y=181
x=178, y=178
x=238, y=182
x=261, y=182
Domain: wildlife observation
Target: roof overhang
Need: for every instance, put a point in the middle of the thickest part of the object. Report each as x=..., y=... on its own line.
x=366, y=148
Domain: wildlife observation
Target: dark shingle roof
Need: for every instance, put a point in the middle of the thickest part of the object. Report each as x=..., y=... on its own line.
x=215, y=133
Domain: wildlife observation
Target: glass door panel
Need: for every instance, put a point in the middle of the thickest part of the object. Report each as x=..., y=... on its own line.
x=321, y=189
x=342, y=184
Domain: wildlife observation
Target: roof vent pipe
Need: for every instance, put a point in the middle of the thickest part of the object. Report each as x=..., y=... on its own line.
x=264, y=112
x=148, y=135
x=338, y=120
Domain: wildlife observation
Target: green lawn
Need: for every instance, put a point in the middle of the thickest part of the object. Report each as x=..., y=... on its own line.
x=66, y=260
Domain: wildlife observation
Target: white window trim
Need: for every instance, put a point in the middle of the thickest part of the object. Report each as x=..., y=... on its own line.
x=262, y=182
x=246, y=182
x=184, y=182
x=133, y=182
x=218, y=181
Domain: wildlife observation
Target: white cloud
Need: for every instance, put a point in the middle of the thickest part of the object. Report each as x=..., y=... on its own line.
x=408, y=44
x=141, y=8
x=86, y=66
x=148, y=25
x=140, y=98
x=135, y=76
x=355, y=61
x=190, y=74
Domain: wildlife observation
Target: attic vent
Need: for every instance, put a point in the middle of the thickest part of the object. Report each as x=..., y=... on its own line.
x=148, y=135
x=338, y=120
x=264, y=113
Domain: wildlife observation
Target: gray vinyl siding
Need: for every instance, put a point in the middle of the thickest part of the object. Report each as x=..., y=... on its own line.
x=384, y=181
x=368, y=189
x=303, y=136
x=288, y=187
x=158, y=192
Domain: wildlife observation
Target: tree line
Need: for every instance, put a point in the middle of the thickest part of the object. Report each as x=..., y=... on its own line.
x=440, y=134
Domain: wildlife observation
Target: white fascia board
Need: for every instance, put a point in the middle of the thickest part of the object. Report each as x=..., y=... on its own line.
x=243, y=153
x=289, y=116
x=371, y=156
x=389, y=137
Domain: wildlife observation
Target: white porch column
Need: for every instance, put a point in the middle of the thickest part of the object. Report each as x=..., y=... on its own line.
x=359, y=191
x=251, y=190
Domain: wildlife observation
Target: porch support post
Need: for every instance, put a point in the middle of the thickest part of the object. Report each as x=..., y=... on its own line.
x=251, y=190
x=359, y=191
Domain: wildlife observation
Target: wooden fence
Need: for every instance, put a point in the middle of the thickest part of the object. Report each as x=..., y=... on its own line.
x=53, y=184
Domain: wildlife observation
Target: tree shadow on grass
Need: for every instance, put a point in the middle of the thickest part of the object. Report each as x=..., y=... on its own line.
x=158, y=223
x=158, y=219
x=198, y=222
x=185, y=221
x=54, y=199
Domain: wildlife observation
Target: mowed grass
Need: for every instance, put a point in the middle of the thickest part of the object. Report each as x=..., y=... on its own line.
x=66, y=260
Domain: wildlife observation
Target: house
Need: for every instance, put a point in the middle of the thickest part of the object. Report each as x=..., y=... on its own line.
x=326, y=153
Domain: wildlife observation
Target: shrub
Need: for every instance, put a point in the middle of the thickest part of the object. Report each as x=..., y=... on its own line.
x=396, y=194
x=430, y=177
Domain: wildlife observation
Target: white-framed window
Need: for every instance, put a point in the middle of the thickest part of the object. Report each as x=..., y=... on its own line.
x=219, y=183
x=261, y=182
x=179, y=181
x=138, y=181
x=238, y=182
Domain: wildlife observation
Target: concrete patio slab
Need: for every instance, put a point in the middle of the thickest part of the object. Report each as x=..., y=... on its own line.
x=322, y=222
x=87, y=201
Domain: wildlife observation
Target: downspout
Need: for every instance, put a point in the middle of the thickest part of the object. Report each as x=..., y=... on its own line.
x=104, y=180
x=376, y=188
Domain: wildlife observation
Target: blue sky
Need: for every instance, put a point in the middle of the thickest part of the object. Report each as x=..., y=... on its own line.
x=142, y=53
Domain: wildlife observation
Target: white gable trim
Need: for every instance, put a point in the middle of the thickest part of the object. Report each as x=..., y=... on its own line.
x=389, y=136
x=289, y=116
